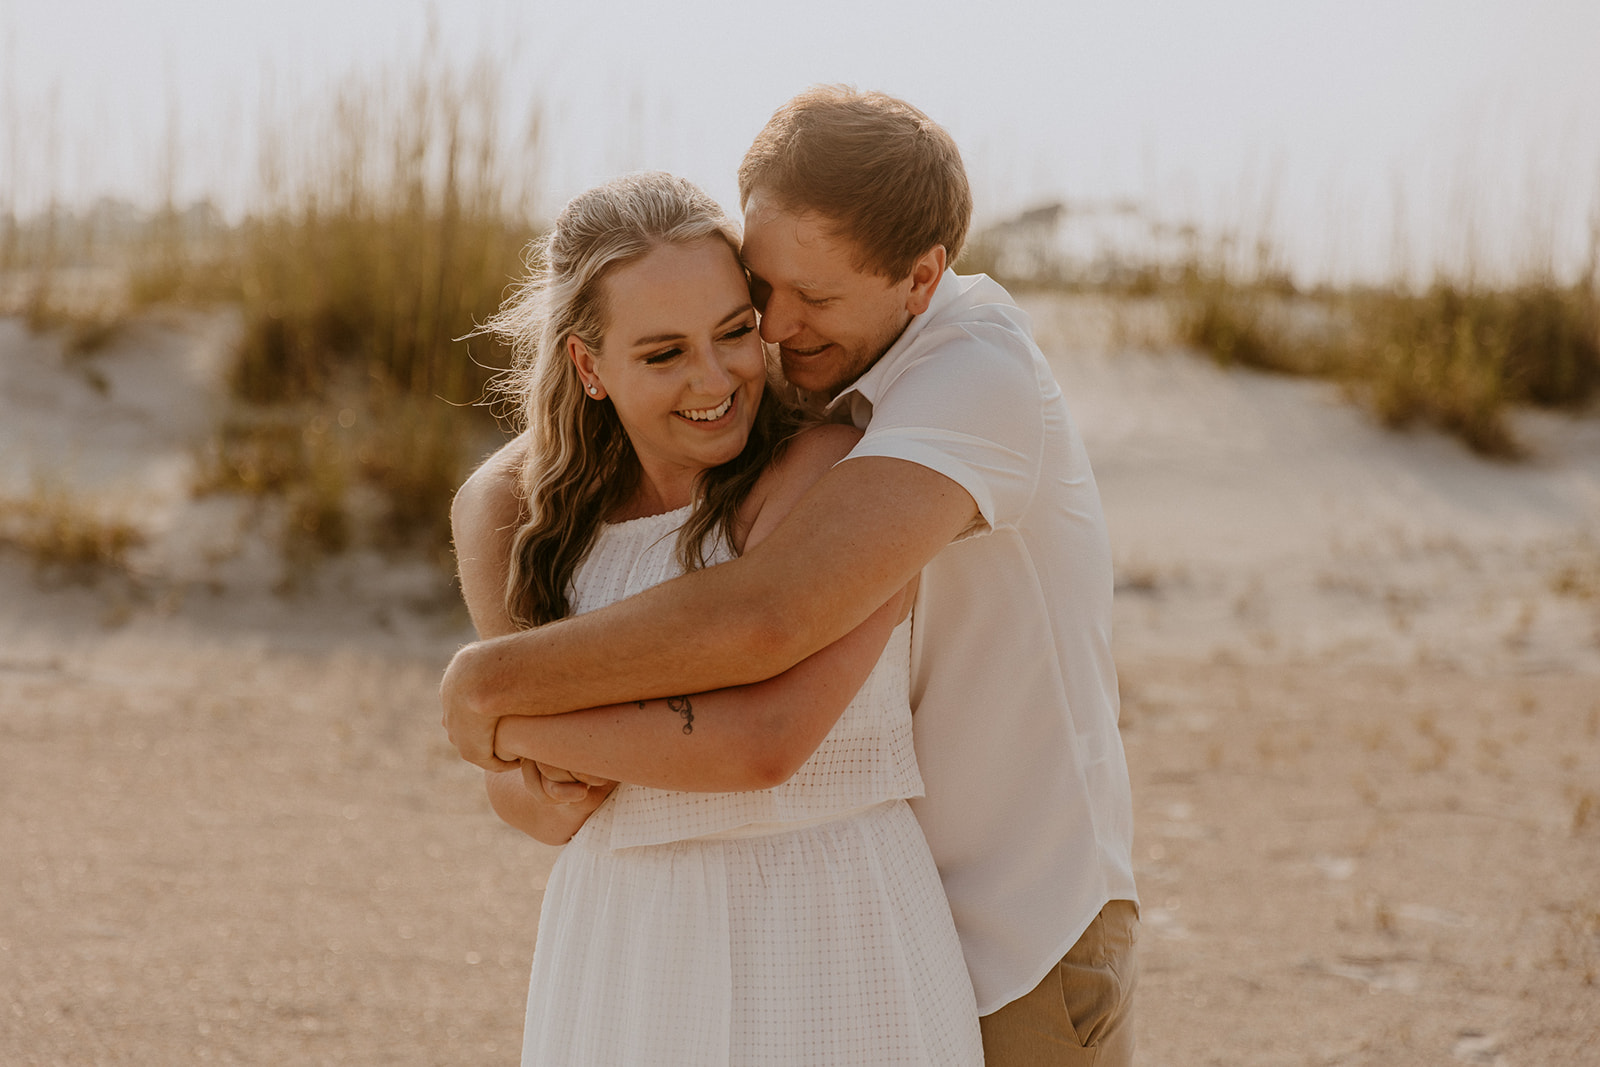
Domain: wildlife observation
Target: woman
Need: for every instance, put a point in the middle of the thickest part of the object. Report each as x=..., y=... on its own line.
x=750, y=894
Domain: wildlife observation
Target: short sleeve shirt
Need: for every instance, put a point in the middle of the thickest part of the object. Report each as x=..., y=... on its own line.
x=1028, y=809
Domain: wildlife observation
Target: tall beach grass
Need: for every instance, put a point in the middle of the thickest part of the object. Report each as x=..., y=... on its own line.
x=382, y=241
x=388, y=219
x=390, y=214
x=1456, y=349
x=1456, y=355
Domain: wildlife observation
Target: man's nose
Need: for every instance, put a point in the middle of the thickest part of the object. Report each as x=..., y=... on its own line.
x=779, y=320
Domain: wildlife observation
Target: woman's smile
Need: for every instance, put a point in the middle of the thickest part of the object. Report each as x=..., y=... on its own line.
x=715, y=414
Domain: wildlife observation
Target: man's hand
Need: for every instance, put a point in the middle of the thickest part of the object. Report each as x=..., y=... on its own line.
x=469, y=729
x=564, y=787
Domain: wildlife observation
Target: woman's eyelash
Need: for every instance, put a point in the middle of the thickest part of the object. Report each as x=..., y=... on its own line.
x=666, y=354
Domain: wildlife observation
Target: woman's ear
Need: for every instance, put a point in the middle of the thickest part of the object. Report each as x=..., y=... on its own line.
x=584, y=360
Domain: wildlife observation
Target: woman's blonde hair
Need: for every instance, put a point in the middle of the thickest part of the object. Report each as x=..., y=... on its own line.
x=580, y=466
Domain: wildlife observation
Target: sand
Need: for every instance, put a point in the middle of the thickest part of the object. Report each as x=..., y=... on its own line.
x=1361, y=701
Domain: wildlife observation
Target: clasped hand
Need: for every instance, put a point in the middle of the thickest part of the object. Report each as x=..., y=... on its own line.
x=471, y=729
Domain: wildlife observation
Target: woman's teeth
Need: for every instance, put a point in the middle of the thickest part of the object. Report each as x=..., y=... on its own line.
x=708, y=414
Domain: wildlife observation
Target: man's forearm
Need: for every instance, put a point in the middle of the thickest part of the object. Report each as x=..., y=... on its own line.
x=684, y=636
x=748, y=737
x=857, y=537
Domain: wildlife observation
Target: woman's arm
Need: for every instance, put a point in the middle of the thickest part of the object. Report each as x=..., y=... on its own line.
x=483, y=518
x=746, y=737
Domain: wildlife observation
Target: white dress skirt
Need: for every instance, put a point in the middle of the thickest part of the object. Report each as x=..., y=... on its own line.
x=803, y=924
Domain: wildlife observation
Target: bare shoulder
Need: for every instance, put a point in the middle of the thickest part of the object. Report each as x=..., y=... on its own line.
x=488, y=500
x=483, y=520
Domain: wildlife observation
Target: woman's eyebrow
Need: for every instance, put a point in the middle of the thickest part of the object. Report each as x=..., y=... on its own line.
x=655, y=339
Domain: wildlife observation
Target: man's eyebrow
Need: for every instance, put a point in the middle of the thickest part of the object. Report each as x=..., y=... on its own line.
x=805, y=287
x=742, y=309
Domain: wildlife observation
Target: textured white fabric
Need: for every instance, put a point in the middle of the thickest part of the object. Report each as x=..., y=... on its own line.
x=798, y=925
x=1028, y=810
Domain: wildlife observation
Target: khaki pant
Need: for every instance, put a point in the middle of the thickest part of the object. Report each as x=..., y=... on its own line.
x=1081, y=1014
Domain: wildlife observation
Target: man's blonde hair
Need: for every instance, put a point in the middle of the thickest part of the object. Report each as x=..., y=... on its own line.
x=884, y=174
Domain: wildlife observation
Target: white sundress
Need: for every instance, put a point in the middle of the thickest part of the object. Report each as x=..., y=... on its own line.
x=803, y=924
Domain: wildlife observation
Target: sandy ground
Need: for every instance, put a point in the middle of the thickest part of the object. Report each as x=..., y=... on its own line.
x=1361, y=700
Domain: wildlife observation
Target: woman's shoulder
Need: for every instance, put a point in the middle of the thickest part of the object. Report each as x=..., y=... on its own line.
x=488, y=508
x=492, y=492
x=483, y=519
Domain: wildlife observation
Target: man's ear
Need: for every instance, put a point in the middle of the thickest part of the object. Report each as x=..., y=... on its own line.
x=925, y=275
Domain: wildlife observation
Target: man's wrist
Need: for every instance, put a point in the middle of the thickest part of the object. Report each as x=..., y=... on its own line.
x=506, y=678
x=478, y=690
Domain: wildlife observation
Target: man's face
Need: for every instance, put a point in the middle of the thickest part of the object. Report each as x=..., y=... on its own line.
x=829, y=319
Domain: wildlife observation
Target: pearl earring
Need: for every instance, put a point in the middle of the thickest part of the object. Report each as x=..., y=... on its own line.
x=592, y=390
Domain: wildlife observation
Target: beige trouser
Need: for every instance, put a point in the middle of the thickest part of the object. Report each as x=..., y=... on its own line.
x=1081, y=1014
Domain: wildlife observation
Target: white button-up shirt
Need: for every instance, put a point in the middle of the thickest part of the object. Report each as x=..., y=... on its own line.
x=1028, y=810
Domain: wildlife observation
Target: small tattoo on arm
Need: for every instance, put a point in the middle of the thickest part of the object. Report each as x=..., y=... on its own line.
x=682, y=706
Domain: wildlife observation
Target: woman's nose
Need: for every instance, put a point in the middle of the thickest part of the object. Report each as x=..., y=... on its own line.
x=711, y=373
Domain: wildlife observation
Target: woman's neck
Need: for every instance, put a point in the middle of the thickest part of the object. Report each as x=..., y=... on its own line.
x=658, y=492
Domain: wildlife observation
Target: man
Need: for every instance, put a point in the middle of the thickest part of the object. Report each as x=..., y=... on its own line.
x=971, y=472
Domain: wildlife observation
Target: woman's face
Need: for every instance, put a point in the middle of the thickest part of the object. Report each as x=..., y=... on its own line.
x=681, y=361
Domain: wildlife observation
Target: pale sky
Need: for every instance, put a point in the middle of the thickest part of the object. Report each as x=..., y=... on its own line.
x=1327, y=120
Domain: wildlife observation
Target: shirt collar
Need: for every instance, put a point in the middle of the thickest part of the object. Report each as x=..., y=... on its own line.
x=872, y=382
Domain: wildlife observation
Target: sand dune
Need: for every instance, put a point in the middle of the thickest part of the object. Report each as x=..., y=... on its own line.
x=1361, y=677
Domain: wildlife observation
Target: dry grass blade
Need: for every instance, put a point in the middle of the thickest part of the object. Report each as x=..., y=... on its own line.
x=62, y=532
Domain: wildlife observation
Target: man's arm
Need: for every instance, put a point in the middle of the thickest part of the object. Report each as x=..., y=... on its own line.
x=861, y=533
x=746, y=737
